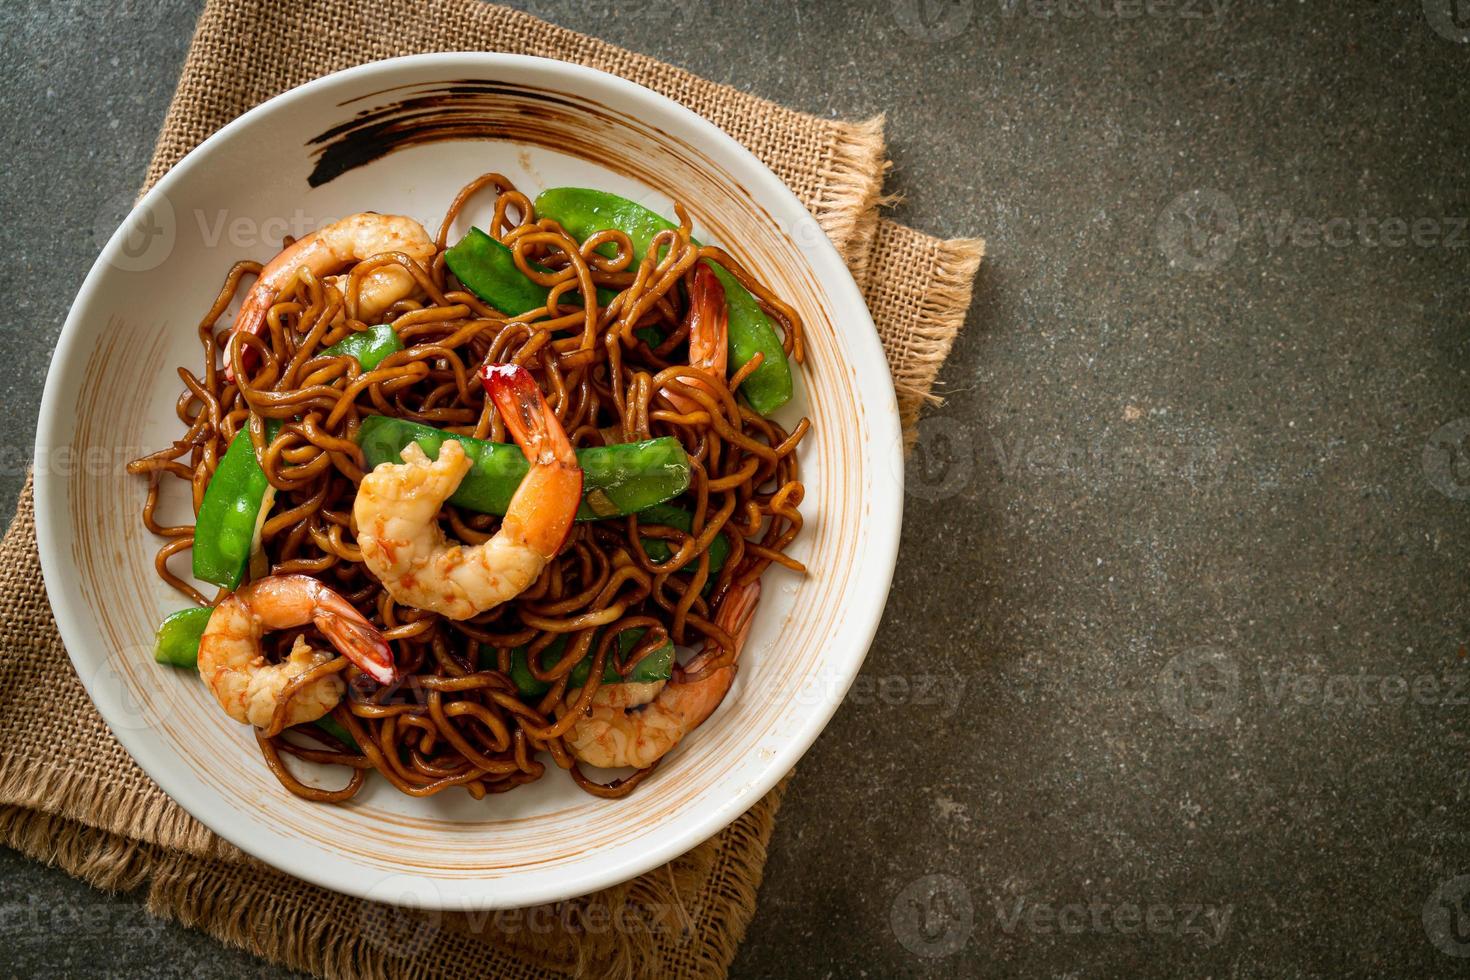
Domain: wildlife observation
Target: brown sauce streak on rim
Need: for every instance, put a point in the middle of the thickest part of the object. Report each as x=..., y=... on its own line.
x=462, y=109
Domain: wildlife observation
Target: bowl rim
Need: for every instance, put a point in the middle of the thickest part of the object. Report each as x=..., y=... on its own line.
x=880, y=554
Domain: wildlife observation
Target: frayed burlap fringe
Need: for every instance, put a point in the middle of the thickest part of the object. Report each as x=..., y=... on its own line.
x=107, y=861
x=84, y=806
x=851, y=174
x=933, y=309
x=74, y=797
x=690, y=915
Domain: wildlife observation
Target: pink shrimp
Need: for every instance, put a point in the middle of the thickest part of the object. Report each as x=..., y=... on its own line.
x=709, y=335
x=233, y=665
x=397, y=506
x=637, y=724
x=335, y=247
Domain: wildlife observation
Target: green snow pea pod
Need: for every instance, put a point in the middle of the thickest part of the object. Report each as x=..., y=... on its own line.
x=656, y=666
x=369, y=346
x=488, y=269
x=616, y=480
x=584, y=212
x=177, y=641
x=235, y=505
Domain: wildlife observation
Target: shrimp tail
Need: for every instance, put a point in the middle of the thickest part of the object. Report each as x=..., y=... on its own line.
x=540, y=504
x=709, y=337
x=741, y=604
x=250, y=320
x=525, y=411
x=737, y=612
x=709, y=321
x=360, y=643
x=257, y=303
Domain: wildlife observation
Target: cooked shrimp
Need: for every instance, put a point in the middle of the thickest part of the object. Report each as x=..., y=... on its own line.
x=397, y=506
x=233, y=665
x=709, y=335
x=330, y=249
x=637, y=724
x=377, y=290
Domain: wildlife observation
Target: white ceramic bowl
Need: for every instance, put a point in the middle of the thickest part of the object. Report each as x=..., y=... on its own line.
x=110, y=393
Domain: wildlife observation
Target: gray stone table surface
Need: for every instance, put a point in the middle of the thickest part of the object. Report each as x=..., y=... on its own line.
x=1173, y=675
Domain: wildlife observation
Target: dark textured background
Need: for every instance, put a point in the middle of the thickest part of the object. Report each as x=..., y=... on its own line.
x=1172, y=677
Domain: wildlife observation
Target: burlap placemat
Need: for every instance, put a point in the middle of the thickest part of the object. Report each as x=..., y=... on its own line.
x=70, y=795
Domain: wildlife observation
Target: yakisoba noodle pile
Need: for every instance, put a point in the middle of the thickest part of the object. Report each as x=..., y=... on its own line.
x=455, y=714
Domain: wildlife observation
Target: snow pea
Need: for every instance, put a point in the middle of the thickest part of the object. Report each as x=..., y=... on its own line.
x=177, y=641
x=656, y=666
x=235, y=505
x=331, y=726
x=488, y=269
x=616, y=480
x=584, y=212
x=369, y=346
x=668, y=515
